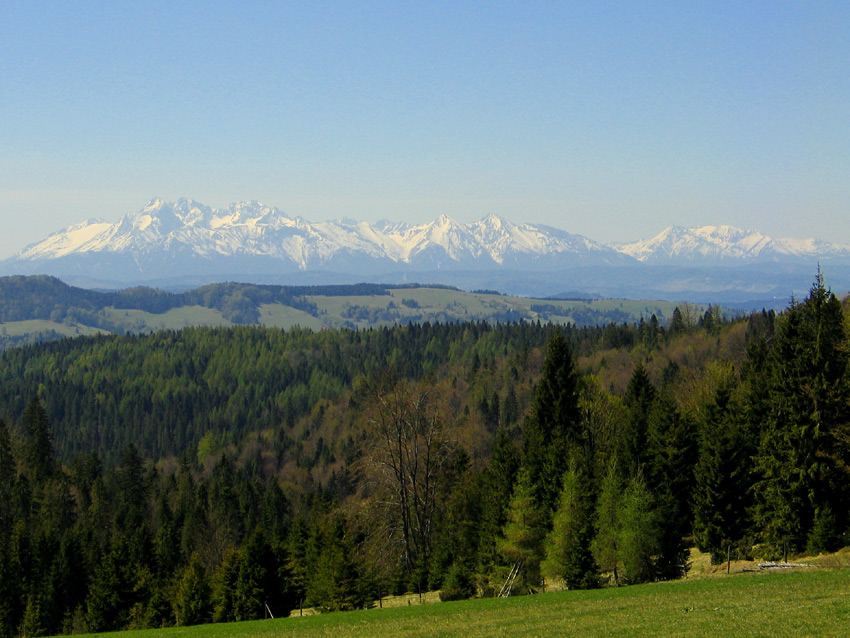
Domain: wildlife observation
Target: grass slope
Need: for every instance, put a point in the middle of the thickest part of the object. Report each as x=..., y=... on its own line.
x=810, y=603
x=174, y=319
x=34, y=326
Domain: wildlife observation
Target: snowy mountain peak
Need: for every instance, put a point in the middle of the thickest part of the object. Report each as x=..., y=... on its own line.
x=724, y=244
x=162, y=230
x=154, y=204
x=167, y=239
x=493, y=221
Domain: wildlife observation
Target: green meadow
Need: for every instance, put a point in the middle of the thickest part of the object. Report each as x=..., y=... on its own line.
x=775, y=604
x=173, y=319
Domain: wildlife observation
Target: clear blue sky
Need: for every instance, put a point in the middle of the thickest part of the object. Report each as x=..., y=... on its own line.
x=608, y=119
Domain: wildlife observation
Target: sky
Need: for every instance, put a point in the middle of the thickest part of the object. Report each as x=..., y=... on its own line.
x=612, y=120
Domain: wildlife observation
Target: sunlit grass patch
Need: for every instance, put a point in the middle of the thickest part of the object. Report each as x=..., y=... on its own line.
x=805, y=603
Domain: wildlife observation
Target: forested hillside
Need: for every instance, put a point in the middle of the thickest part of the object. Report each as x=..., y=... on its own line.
x=217, y=474
x=40, y=308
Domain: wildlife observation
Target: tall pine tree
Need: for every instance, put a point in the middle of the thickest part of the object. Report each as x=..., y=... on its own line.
x=39, y=452
x=639, y=400
x=568, y=544
x=553, y=429
x=800, y=480
x=522, y=537
x=722, y=475
x=8, y=475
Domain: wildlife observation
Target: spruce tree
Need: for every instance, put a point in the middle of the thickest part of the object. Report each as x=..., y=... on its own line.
x=553, y=428
x=722, y=476
x=670, y=477
x=8, y=476
x=132, y=491
x=223, y=514
x=458, y=584
x=799, y=464
x=522, y=536
x=639, y=400
x=568, y=544
x=677, y=323
x=112, y=593
x=192, y=597
x=640, y=533
x=606, y=542
x=498, y=482
x=458, y=533
x=39, y=452
x=333, y=584
x=9, y=593
x=224, y=586
x=255, y=568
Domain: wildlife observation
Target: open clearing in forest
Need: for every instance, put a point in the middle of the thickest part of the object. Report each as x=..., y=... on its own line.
x=777, y=604
x=31, y=326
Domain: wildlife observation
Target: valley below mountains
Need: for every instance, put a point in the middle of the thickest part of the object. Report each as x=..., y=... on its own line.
x=184, y=244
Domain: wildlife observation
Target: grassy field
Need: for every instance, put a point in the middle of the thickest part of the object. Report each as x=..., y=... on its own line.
x=174, y=319
x=31, y=326
x=775, y=604
x=280, y=316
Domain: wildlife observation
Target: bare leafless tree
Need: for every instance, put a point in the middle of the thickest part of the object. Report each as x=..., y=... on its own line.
x=407, y=449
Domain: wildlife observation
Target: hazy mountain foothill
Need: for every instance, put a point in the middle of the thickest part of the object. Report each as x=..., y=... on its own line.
x=185, y=244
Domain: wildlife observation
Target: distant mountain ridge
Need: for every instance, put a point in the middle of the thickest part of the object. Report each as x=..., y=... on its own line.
x=677, y=244
x=251, y=228
x=186, y=243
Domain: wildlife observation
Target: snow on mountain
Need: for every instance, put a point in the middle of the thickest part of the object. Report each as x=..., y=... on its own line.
x=443, y=240
x=251, y=229
x=76, y=237
x=188, y=241
x=505, y=241
x=184, y=225
x=725, y=244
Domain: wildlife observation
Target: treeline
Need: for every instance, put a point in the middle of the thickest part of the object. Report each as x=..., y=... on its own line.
x=466, y=457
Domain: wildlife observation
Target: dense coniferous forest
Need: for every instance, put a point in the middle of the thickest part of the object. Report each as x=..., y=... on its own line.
x=217, y=474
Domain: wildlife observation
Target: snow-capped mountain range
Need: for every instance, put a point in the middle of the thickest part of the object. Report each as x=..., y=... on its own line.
x=250, y=228
x=250, y=241
x=719, y=244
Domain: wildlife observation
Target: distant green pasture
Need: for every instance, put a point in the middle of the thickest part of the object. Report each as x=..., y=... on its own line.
x=174, y=319
x=280, y=316
x=30, y=326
